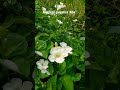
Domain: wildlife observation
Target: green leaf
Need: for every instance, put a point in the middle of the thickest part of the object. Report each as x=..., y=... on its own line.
x=59, y=85
x=51, y=69
x=40, y=44
x=62, y=68
x=67, y=82
x=45, y=54
x=82, y=58
x=51, y=83
x=77, y=77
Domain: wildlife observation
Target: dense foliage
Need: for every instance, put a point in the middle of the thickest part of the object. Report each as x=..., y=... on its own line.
x=51, y=31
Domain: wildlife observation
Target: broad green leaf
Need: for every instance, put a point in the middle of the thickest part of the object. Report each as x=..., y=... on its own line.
x=77, y=77
x=62, y=68
x=67, y=82
x=51, y=69
x=82, y=58
x=40, y=44
x=45, y=54
x=51, y=83
x=59, y=85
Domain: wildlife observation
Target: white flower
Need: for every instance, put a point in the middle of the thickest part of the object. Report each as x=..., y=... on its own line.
x=43, y=66
x=59, y=21
x=39, y=53
x=87, y=54
x=63, y=44
x=67, y=49
x=57, y=54
x=75, y=20
x=16, y=84
x=60, y=6
x=43, y=9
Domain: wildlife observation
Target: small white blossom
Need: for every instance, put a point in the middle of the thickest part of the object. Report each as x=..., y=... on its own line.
x=67, y=49
x=43, y=66
x=43, y=9
x=63, y=44
x=75, y=20
x=60, y=6
x=59, y=21
x=17, y=84
x=57, y=54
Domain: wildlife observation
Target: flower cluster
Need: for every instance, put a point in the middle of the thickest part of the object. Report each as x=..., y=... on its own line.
x=60, y=6
x=58, y=54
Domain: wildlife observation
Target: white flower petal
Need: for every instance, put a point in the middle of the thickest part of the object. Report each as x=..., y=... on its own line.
x=41, y=61
x=59, y=21
x=43, y=8
x=43, y=71
x=48, y=73
x=65, y=54
x=60, y=60
x=75, y=20
x=39, y=67
x=61, y=3
x=44, y=67
x=46, y=63
x=51, y=58
x=63, y=44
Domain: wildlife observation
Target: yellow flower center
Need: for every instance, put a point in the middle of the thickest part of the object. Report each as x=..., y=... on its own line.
x=57, y=55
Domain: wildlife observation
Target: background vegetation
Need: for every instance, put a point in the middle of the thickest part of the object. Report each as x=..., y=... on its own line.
x=103, y=43
x=16, y=40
